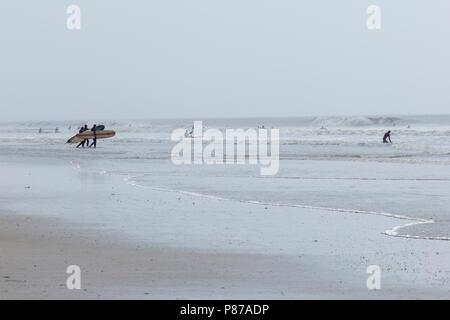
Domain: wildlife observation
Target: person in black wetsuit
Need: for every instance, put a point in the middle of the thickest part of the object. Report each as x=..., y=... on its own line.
x=87, y=140
x=94, y=142
x=386, y=137
x=82, y=143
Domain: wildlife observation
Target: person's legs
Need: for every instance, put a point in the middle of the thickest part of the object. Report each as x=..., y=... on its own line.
x=95, y=139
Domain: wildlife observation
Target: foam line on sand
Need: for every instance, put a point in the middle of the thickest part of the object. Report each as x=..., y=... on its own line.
x=393, y=232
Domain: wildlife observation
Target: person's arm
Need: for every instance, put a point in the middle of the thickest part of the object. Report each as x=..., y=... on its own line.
x=390, y=139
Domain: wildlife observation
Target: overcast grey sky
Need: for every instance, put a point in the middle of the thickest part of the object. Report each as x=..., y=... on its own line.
x=222, y=58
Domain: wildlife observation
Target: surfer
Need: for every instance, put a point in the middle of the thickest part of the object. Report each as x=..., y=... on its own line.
x=87, y=140
x=386, y=137
x=94, y=142
x=82, y=143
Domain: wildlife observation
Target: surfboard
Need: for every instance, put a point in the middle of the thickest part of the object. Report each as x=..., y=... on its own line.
x=102, y=134
x=74, y=139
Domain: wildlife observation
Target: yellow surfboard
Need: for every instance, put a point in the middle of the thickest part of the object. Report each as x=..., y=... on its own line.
x=103, y=134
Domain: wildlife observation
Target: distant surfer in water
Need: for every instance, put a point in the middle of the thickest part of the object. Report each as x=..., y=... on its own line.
x=94, y=142
x=386, y=137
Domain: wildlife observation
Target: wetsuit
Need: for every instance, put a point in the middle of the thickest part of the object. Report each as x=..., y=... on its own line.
x=87, y=140
x=94, y=142
x=84, y=141
x=387, y=136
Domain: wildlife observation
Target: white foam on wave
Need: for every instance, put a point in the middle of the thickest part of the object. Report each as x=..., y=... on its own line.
x=357, y=121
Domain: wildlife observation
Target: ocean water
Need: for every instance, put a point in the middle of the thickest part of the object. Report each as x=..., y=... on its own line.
x=333, y=163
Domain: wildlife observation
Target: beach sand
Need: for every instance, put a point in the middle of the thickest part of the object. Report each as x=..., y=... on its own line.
x=140, y=243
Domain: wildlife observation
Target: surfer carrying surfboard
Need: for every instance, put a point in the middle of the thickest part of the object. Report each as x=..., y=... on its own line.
x=85, y=141
x=94, y=142
x=97, y=132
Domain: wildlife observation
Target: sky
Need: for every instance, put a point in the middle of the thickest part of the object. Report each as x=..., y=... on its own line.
x=222, y=58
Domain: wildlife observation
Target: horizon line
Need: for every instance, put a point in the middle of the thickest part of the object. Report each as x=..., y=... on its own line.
x=239, y=117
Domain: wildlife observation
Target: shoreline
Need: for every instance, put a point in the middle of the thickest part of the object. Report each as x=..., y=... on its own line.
x=391, y=232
